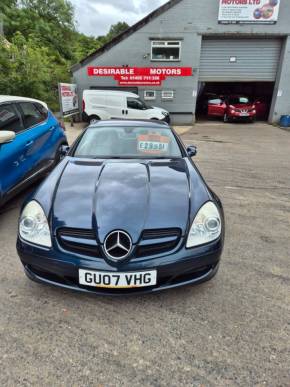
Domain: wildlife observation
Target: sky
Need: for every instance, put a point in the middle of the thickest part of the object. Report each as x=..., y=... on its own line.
x=94, y=17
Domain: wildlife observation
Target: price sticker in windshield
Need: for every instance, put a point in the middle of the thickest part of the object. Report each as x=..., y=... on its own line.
x=153, y=144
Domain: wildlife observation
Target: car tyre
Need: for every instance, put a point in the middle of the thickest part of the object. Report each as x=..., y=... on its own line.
x=94, y=119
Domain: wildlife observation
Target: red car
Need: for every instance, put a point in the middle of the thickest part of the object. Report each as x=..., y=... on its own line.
x=262, y=108
x=232, y=108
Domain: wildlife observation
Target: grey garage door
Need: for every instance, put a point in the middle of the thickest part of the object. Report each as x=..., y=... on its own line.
x=242, y=60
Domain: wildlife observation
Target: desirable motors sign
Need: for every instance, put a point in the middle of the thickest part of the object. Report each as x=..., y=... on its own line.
x=139, y=76
x=249, y=11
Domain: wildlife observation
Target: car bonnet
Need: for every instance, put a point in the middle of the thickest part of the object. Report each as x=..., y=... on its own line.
x=124, y=195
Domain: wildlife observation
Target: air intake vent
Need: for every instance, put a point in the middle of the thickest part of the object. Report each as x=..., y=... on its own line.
x=77, y=232
x=79, y=241
x=161, y=233
x=158, y=241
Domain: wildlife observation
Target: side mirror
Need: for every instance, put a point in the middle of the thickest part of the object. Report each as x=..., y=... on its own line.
x=6, y=136
x=64, y=150
x=191, y=151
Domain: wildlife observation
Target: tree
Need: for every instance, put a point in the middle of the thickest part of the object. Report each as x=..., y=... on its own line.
x=7, y=4
x=27, y=70
x=59, y=12
x=44, y=43
x=50, y=22
x=83, y=46
x=116, y=29
x=6, y=11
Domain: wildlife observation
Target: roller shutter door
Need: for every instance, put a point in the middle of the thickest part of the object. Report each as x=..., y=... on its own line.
x=256, y=60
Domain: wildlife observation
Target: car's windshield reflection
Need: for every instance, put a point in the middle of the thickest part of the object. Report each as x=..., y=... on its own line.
x=127, y=143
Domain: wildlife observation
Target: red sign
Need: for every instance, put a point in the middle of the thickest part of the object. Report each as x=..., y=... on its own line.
x=140, y=76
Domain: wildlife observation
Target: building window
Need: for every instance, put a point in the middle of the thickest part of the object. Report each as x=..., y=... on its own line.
x=165, y=51
x=167, y=94
x=149, y=95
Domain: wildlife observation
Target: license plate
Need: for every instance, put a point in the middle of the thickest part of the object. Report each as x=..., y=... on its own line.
x=112, y=280
x=244, y=114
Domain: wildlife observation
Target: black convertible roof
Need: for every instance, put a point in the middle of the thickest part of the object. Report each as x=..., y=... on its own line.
x=165, y=7
x=144, y=123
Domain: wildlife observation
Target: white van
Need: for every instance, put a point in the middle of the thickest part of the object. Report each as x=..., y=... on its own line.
x=107, y=104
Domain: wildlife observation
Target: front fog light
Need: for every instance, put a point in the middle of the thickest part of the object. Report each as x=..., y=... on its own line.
x=206, y=227
x=33, y=225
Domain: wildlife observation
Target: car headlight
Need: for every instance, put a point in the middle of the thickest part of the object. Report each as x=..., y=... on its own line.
x=206, y=227
x=33, y=225
x=165, y=113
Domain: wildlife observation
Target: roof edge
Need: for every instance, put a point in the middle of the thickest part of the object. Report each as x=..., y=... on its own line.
x=119, y=38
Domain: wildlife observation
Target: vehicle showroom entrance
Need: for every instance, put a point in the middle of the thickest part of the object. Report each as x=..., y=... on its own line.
x=238, y=67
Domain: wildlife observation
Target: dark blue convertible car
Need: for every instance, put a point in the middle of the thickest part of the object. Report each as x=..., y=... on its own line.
x=125, y=211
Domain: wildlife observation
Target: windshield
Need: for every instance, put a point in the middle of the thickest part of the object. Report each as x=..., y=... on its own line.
x=128, y=142
x=239, y=101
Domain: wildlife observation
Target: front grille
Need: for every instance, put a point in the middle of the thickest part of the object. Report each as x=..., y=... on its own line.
x=80, y=241
x=242, y=110
x=157, y=241
x=161, y=233
x=152, y=242
x=77, y=232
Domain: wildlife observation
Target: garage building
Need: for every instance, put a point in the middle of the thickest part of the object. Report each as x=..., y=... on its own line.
x=235, y=56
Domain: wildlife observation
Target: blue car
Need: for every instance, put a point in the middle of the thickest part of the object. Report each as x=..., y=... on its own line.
x=30, y=143
x=126, y=211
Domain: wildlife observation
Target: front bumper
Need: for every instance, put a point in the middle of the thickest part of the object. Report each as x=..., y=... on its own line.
x=239, y=117
x=182, y=267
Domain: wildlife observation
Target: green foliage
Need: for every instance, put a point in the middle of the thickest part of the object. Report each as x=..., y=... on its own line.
x=27, y=70
x=43, y=45
x=117, y=29
x=83, y=45
x=58, y=12
x=7, y=4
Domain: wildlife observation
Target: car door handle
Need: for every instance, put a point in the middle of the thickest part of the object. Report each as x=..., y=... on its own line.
x=29, y=143
x=123, y=111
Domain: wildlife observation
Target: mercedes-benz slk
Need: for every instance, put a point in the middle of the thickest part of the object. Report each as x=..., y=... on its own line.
x=125, y=211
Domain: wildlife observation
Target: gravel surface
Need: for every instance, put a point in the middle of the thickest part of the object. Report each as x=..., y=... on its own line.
x=232, y=331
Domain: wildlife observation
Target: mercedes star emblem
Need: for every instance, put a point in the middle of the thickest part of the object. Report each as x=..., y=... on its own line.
x=118, y=245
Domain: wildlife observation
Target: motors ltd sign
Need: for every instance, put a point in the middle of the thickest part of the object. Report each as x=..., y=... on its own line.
x=139, y=76
x=249, y=11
